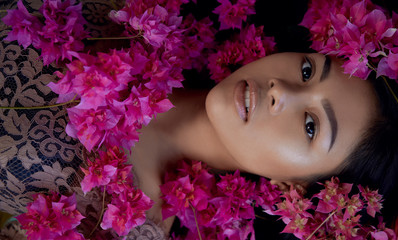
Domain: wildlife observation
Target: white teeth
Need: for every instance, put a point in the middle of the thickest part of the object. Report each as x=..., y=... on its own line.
x=247, y=98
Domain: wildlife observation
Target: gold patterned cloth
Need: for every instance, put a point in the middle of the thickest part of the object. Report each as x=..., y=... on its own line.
x=36, y=155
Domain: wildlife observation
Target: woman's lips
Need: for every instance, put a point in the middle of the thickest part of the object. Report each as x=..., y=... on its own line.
x=245, y=97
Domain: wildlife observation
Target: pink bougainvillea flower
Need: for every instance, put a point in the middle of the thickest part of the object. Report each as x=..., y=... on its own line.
x=187, y=189
x=62, y=32
x=58, y=37
x=233, y=200
x=38, y=218
x=353, y=206
x=229, y=55
x=91, y=126
x=237, y=230
x=255, y=44
x=51, y=217
x=119, y=92
x=232, y=15
x=121, y=181
x=197, y=42
x=249, y=46
x=155, y=21
x=381, y=232
x=388, y=66
x=330, y=195
x=24, y=25
x=110, y=166
x=293, y=203
x=97, y=174
x=372, y=199
x=297, y=226
x=376, y=25
x=267, y=195
x=179, y=195
x=92, y=86
x=66, y=212
x=156, y=24
x=126, y=211
x=357, y=65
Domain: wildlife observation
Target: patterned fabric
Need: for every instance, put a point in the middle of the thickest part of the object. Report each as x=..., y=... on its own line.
x=36, y=155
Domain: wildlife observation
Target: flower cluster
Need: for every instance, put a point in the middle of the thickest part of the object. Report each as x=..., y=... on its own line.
x=122, y=90
x=51, y=217
x=160, y=25
x=232, y=15
x=198, y=41
x=118, y=93
x=358, y=31
x=56, y=217
x=128, y=205
x=250, y=45
x=220, y=209
x=58, y=37
x=336, y=215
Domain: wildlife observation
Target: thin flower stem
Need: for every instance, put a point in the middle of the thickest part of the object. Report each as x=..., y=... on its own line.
x=389, y=88
x=260, y=217
x=371, y=67
x=3, y=11
x=43, y=107
x=101, y=215
x=323, y=223
x=113, y=5
x=196, y=221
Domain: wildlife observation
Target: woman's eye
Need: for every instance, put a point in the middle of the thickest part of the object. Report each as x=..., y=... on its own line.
x=306, y=70
x=310, y=126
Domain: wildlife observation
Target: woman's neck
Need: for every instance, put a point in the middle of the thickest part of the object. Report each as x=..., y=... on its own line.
x=184, y=132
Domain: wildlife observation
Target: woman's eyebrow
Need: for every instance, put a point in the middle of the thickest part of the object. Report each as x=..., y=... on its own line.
x=332, y=120
x=326, y=68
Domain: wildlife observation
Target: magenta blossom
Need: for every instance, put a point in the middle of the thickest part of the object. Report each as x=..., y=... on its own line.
x=249, y=46
x=24, y=26
x=51, y=217
x=91, y=126
x=232, y=15
x=119, y=92
x=110, y=166
x=63, y=30
x=388, y=66
x=267, y=195
x=58, y=37
x=126, y=211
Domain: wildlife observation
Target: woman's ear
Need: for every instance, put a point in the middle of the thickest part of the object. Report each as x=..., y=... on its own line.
x=285, y=186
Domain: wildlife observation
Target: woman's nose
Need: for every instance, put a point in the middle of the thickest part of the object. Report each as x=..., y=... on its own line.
x=280, y=96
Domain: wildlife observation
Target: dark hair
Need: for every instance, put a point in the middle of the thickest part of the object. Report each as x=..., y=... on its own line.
x=374, y=161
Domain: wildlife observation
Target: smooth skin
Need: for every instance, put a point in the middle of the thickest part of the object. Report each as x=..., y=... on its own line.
x=303, y=124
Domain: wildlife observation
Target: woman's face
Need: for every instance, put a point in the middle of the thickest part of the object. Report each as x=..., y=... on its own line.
x=291, y=115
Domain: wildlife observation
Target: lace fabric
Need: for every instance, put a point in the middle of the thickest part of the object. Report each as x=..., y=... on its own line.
x=36, y=155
